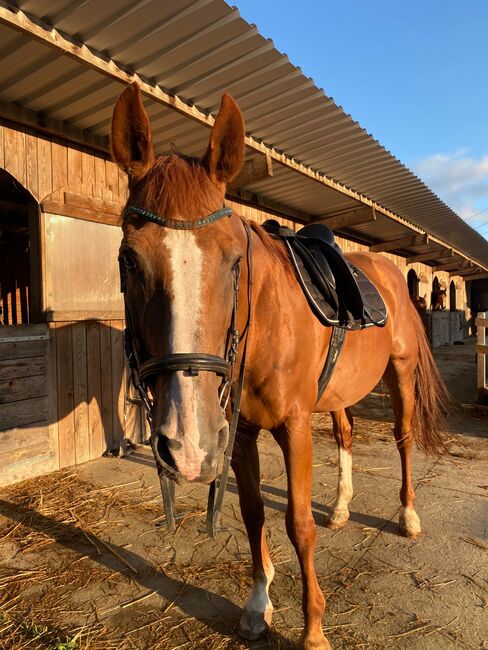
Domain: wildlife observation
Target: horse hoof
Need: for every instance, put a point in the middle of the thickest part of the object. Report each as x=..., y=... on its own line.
x=409, y=523
x=338, y=519
x=254, y=624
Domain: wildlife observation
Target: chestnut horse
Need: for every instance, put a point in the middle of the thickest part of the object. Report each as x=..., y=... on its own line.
x=179, y=296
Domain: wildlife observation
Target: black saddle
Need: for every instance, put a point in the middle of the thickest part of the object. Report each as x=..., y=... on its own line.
x=338, y=292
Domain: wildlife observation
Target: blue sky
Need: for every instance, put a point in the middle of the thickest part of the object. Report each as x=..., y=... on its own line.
x=413, y=73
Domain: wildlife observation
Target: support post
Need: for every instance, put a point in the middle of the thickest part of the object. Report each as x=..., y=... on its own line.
x=481, y=353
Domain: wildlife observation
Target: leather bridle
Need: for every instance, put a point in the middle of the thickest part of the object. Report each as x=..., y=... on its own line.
x=194, y=363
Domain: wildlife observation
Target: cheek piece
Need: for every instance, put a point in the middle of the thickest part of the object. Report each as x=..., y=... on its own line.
x=142, y=371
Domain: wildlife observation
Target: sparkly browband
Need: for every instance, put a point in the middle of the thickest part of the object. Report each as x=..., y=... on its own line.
x=176, y=224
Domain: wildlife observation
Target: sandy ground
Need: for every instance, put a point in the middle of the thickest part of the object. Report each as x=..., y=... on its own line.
x=84, y=564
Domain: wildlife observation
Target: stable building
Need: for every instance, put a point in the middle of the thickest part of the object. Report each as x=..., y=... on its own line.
x=65, y=397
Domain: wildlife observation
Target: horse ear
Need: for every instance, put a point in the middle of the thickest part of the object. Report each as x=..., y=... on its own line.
x=131, y=133
x=225, y=151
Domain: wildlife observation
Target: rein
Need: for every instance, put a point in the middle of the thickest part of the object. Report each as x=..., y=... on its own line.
x=193, y=363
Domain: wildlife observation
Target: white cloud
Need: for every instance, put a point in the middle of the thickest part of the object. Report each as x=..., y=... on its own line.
x=460, y=180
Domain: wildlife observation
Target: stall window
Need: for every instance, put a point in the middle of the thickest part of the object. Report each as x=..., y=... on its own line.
x=18, y=227
x=413, y=284
x=452, y=296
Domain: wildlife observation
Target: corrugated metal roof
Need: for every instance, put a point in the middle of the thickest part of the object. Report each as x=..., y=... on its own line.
x=195, y=50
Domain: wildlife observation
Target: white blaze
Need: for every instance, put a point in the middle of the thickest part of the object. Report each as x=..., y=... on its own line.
x=186, y=265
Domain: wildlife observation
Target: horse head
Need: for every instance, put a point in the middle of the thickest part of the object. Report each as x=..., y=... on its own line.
x=180, y=278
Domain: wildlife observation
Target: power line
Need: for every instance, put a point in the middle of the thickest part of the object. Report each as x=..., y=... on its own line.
x=475, y=214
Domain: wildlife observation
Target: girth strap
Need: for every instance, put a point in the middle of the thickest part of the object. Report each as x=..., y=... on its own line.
x=335, y=346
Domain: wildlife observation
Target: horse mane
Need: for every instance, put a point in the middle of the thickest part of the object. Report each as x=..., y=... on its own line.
x=168, y=188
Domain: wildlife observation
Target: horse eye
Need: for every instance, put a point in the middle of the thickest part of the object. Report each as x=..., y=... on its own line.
x=128, y=261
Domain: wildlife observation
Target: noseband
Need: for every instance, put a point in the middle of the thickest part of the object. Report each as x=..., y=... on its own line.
x=193, y=363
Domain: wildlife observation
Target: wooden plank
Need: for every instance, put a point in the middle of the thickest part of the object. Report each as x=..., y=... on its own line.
x=75, y=315
x=44, y=166
x=65, y=390
x=17, y=414
x=431, y=255
x=481, y=322
x=60, y=164
x=453, y=264
x=482, y=349
x=21, y=388
x=52, y=385
x=253, y=170
x=22, y=349
x=75, y=176
x=118, y=380
x=20, y=437
x=351, y=218
x=16, y=368
x=100, y=179
x=112, y=176
x=35, y=263
x=25, y=463
x=88, y=168
x=94, y=385
x=15, y=153
x=93, y=203
x=476, y=276
x=106, y=383
x=32, y=172
x=80, y=394
x=13, y=332
x=56, y=207
x=400, y=243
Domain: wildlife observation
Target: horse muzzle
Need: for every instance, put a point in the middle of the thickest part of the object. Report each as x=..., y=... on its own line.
x=179, y=459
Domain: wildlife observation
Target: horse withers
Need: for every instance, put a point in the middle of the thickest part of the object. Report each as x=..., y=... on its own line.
x=182, y=262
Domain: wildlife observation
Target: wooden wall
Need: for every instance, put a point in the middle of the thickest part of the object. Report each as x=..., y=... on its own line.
x=45, y=165
x=25, y=442
x=89, y=412
x=82, y=408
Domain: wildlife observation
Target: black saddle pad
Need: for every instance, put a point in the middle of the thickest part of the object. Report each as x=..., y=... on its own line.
x=338, y=292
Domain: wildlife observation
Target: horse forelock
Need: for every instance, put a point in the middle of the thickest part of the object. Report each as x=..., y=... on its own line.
x=177, y=187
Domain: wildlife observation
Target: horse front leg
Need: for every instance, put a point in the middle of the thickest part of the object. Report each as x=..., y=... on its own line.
x=258, y=610
x=295, y=440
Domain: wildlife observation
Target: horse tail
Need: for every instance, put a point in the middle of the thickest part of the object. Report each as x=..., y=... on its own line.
x=432, y=399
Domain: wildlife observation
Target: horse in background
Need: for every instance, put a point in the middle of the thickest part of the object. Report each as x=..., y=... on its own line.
x=439, y=300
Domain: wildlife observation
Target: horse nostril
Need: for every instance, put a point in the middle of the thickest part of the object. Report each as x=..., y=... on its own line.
x=173, y=445
x=163, y=446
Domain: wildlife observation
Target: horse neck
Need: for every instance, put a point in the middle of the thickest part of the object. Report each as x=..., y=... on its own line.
x=274, y=287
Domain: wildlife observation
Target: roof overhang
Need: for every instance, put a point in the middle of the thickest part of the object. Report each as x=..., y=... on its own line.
x=314, y=153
